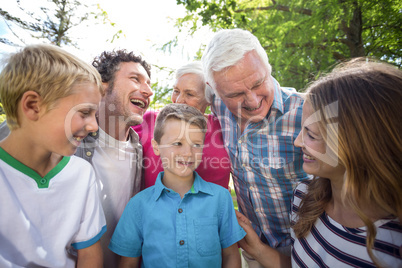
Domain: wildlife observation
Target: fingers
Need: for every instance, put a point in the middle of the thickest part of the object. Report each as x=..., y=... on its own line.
x=242, y=218
x=244, y=222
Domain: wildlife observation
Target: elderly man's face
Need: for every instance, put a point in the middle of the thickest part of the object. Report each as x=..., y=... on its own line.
x=246, y=89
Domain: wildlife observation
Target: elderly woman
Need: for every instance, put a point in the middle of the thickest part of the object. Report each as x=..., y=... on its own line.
x=189, y=88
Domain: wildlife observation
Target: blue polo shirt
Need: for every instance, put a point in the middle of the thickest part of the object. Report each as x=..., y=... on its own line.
x=168, y=231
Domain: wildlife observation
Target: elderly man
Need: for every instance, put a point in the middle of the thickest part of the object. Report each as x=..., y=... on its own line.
x=114, y=150
x=260, y=121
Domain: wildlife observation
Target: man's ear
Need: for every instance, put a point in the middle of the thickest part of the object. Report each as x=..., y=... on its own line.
x=31, y=105
x=155, y=147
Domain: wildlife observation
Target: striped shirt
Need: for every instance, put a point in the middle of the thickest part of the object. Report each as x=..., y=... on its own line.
x=330, y=244
x=265, y=164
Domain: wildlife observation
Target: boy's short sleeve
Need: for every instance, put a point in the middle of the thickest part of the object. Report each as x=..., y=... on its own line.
x=230, y=230
x=93, y=224
x=127, y=238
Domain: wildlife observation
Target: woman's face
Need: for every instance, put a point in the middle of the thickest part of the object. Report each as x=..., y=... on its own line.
x=319, y=159
x=189, y=89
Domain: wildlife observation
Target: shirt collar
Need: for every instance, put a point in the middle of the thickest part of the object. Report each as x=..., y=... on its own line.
x=133, y=136
x=278, y=102
x=199, y=185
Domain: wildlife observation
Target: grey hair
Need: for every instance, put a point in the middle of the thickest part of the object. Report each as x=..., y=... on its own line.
x=193, y=68
x=225, y=49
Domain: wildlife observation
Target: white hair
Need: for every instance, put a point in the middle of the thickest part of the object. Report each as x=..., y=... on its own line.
x=192, y=68
x=225, y=49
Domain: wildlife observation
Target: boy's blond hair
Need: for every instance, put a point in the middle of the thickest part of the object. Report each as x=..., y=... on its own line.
x=45, y=69
x=180, y=112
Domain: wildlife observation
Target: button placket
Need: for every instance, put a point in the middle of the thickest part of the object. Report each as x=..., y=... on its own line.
x=181, y=233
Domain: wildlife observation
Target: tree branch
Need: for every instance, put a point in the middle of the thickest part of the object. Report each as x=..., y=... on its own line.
x=309, y=44
x=8, y=41
x=303, y=11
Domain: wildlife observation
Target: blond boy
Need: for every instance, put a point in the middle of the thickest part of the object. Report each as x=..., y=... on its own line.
x=51, y=214
x=181, y=221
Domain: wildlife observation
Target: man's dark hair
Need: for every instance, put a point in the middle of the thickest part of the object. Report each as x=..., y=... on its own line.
x=109, y=62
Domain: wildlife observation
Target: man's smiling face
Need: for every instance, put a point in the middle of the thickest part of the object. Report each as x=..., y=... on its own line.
x=246, y=89
x=130, y=95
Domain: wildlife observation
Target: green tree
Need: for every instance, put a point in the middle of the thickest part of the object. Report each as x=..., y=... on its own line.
x=161, y=90
x=53, y=20
x=2, y=114
x=304, y=38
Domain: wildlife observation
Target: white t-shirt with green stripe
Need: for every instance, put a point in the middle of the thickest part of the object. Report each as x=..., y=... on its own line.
x=43, y=220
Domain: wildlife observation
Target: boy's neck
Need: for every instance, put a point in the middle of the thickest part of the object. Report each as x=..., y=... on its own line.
x=30, y=154
x=179, y=185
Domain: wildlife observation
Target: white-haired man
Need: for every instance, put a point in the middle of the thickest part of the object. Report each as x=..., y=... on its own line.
x=260, y=120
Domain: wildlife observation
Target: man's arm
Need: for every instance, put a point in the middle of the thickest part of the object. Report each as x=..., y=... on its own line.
x=128, y=262
x=91, y=256
x=264, y=254
x=231, y=257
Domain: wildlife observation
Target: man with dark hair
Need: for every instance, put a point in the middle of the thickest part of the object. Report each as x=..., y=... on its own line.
x=126, y=79
x=116, y=154
x=114, y=150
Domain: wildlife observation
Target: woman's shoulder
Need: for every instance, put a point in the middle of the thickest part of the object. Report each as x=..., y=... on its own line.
x=302, y=188
x=150, y=116
x=148, y=122
x=299, y=192
x=213, y=120
x=213, y=125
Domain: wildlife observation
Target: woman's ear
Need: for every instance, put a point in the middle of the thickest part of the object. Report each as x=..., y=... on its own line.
x=31, y=105
x=155, y=147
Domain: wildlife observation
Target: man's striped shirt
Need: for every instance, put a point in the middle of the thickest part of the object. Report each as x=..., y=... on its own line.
x=265, y=164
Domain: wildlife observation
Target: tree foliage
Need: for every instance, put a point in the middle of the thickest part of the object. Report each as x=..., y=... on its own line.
x=53, y=20
x=304, y=38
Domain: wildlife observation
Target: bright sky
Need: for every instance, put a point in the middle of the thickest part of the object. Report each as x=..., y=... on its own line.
x=146, y=26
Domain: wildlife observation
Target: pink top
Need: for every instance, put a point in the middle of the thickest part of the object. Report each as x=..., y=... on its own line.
x=215, y=164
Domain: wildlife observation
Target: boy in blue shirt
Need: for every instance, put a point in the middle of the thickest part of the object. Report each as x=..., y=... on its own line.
x=181, y=221
x=50, y=215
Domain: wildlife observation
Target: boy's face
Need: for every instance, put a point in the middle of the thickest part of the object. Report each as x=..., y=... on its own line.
x=62, y=128
x=180, y=148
